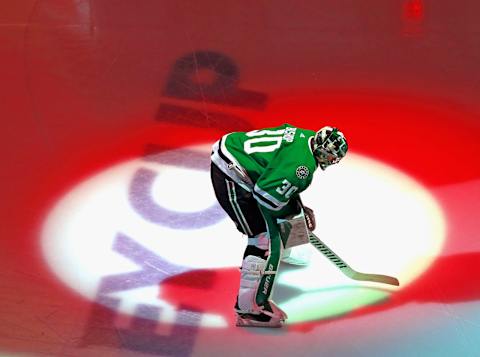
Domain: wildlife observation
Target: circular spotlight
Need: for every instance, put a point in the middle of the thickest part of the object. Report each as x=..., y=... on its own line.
x=148, y=232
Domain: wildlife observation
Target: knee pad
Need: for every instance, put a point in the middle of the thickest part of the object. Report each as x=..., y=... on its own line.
x=261, y=241
x=252, y=250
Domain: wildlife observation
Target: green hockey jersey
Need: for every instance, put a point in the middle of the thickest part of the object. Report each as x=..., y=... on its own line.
x=278, y=161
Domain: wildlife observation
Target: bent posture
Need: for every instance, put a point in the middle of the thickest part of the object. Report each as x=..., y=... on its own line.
x=257, y=177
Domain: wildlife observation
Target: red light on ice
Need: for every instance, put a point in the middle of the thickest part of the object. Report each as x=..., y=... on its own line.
x=414, y=10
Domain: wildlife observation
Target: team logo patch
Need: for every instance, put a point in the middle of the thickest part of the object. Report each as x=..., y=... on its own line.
x=302, y=172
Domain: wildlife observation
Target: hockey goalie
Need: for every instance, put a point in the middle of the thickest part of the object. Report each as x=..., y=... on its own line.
x=257, y=177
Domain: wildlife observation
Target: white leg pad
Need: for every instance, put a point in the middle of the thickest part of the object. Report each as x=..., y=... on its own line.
x=252, y=271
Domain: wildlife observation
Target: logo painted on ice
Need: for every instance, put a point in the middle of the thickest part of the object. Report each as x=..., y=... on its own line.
x=119, y=237
x=128, y=230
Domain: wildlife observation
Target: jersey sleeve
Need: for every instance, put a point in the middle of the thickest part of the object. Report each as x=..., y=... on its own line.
x=284, y=178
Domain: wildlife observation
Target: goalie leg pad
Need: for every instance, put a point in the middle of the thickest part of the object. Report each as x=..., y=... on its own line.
x=248, y=312
x=260, y=263
x=253, y=269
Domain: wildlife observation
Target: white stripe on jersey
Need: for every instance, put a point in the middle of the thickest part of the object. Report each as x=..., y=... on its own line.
x=232, y=195
x=223, y=166
x=267, y=199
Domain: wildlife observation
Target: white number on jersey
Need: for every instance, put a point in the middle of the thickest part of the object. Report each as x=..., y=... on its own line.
x=286, y=189
x=274, y=137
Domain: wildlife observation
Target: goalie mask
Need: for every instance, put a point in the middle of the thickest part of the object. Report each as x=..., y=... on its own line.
x=329, y=146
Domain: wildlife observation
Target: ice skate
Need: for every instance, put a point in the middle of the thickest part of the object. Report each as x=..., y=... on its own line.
x=269, y=316
x=260, y=320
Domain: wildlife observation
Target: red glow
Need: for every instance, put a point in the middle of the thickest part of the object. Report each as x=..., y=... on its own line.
x=414, y=10
x=212, y=291
x=81, y=89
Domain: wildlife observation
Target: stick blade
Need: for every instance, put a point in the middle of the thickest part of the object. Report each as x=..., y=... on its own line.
x=346, y=269
x=376, y=278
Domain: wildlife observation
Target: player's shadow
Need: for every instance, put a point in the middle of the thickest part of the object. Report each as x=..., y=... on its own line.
x=450, y=279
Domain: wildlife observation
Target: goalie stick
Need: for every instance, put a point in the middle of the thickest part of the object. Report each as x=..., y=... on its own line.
x=345, y=268
x=322, y=247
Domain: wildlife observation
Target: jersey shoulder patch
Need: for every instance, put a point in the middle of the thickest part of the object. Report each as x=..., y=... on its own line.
x=302, y=172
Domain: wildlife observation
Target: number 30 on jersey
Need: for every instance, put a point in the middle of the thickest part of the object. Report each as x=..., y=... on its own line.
x=286, y=189
x=263, y=141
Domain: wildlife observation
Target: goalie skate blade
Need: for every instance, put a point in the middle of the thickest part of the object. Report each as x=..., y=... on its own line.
x=246, y=322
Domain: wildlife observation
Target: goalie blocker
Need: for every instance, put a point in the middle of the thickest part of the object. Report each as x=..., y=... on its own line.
x=293, y=230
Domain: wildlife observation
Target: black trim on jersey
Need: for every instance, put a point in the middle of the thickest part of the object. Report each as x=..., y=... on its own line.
x=260, y=197
x=221, y=154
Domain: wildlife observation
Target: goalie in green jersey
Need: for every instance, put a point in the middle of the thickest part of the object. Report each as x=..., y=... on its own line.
x=257, y=177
